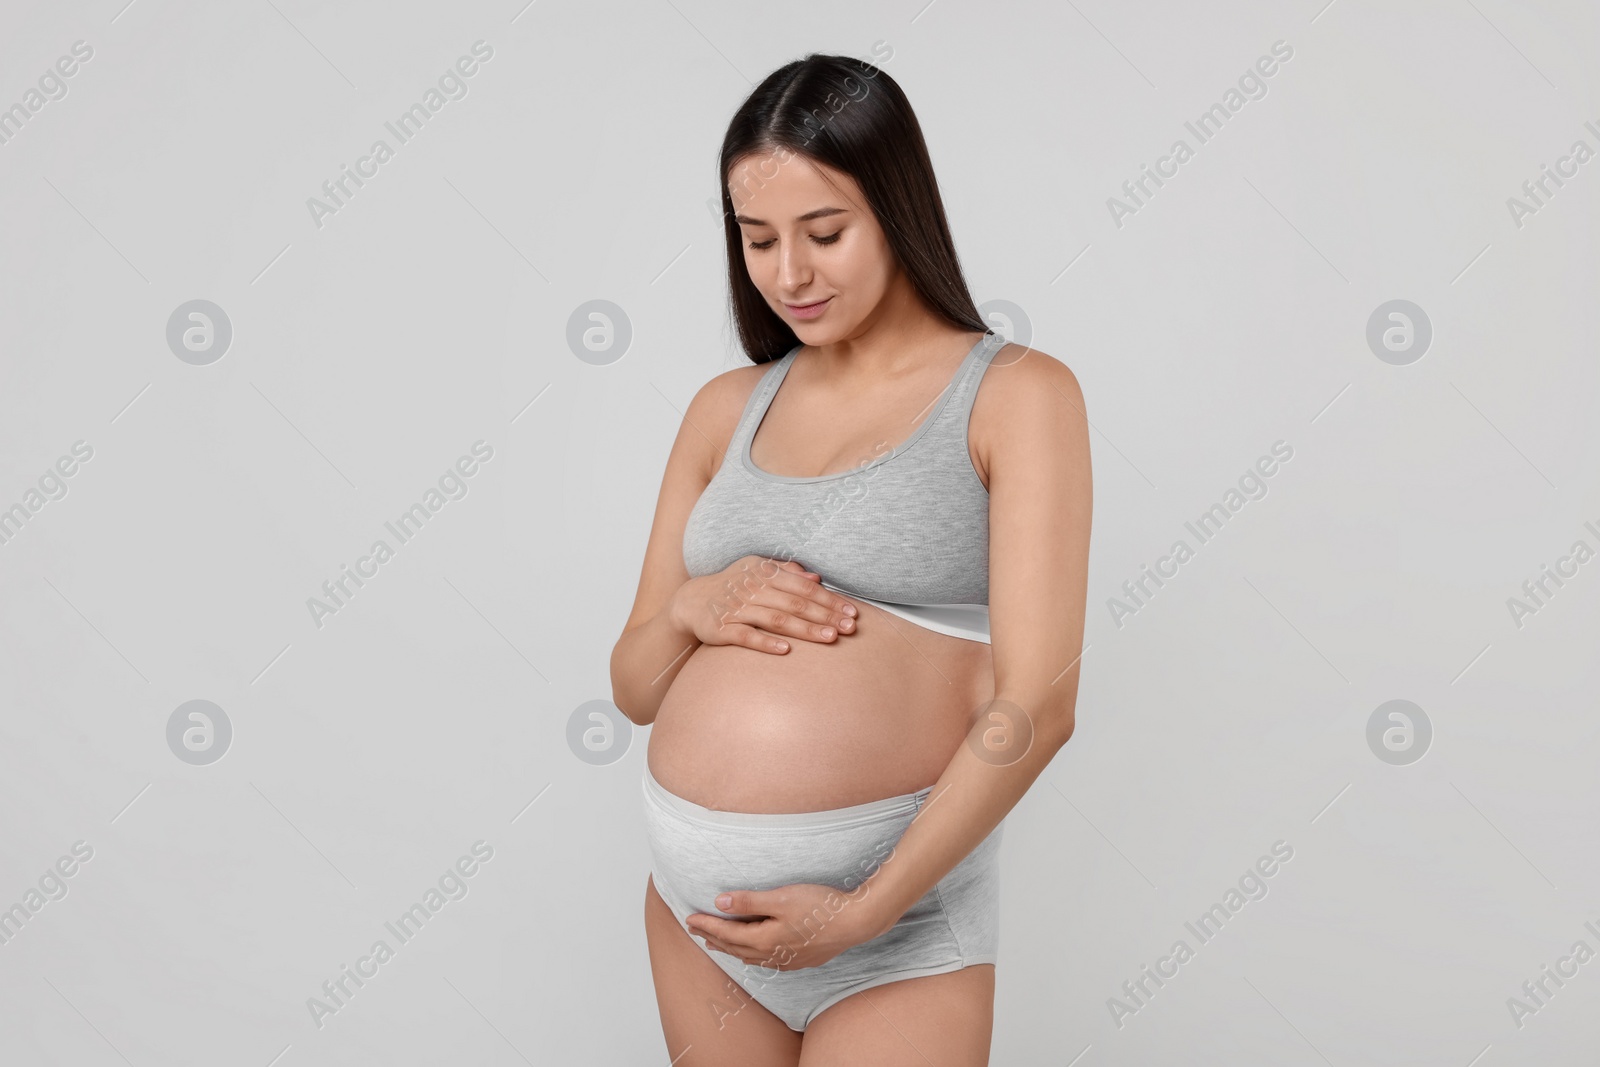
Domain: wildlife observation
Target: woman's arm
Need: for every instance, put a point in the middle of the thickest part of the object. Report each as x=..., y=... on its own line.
x=654, y=647
x=1040, y=499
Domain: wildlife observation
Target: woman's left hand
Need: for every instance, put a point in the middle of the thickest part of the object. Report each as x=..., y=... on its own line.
x=802, y=926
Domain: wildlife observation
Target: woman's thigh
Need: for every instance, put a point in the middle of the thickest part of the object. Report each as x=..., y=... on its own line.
x=708, y=1020
x=943, y=1019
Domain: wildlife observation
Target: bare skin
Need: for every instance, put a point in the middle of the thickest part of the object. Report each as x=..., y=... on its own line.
x=790, y=697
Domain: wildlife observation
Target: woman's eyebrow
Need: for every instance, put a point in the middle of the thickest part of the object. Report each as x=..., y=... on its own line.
x=819, y=213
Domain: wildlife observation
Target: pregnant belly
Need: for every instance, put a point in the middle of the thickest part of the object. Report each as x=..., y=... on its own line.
x=876, y=713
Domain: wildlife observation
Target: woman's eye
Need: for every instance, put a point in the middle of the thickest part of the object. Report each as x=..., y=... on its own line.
x=762, y=246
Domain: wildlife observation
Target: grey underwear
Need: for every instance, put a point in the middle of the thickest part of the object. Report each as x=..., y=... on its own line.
x=698, y=852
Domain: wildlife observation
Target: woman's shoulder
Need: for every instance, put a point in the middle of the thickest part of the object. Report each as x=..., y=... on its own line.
x=722, y=399
x=1017, y=371
x=1026, y=401
x=714, y=411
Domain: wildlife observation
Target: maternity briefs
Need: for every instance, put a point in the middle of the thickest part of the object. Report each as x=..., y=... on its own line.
x=699, y=852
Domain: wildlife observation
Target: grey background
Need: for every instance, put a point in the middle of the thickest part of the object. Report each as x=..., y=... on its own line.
x=433, y=710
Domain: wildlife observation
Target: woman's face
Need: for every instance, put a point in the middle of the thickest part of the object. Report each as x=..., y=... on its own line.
x=810, y=239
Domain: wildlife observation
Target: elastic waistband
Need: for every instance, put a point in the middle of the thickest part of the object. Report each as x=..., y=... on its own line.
x=834, y=818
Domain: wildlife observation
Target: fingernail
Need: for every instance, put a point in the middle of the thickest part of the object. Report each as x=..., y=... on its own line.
x=724, y=902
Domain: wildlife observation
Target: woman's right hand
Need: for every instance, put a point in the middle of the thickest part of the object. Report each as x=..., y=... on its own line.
x=757, y=602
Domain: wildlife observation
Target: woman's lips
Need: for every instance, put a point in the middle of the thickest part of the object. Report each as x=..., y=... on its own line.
x=808, y=311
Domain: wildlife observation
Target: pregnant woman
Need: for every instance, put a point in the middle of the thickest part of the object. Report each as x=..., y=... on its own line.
x=860, y=614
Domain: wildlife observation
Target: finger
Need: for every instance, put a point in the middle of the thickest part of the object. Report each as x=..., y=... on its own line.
x=711, y=944
x=792, y=605
x=814, y=601
x=837, y=608
x=797, y=568
x=730, y=931
x=833, y=602
x=738, y=939
x=800, y=597
x=773, y=624
x=754, y=637
x=715, y=945
x=793, y=615
x=751, y=957
x=789, y=618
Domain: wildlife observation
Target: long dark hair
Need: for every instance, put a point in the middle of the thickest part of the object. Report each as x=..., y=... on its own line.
x=850, y=115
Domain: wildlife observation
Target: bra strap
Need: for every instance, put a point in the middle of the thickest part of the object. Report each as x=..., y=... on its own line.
x=966, y=384
x=760, y=399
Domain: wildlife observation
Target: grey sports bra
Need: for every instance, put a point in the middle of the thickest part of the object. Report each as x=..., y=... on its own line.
x=907, y=529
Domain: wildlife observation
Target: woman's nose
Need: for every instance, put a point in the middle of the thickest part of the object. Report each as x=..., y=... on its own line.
x=794, y=268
